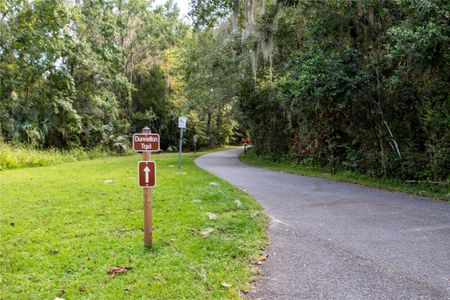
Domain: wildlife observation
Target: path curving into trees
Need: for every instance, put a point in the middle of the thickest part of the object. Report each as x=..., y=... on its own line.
x=343, y=241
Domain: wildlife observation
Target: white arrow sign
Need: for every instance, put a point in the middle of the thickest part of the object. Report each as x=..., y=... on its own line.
x=147, y=174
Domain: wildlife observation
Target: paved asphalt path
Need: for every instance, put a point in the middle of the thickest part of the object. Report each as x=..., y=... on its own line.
x=332, y=240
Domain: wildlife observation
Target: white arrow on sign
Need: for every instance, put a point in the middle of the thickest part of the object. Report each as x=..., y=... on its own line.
x=147, y=174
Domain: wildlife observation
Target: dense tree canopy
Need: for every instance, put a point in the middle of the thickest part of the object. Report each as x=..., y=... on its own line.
x=83, y=73
x=354, y=85
x=357, y=85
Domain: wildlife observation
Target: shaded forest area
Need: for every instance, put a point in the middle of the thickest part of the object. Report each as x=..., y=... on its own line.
x=350, y=85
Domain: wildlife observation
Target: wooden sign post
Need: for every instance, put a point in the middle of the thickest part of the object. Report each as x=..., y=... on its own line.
x=146, y=143
x=148, y=230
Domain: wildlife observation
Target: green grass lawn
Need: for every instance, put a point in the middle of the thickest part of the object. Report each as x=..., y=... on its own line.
x=431, y=190
x=62, y=227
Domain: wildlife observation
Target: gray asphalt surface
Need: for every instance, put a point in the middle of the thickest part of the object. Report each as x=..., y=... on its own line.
x=332, y=240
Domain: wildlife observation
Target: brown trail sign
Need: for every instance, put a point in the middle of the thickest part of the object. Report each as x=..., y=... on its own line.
x=147, y=174
x=146, y=142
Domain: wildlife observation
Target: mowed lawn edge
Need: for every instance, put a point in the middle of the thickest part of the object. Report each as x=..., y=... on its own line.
x=436, y=191
x=63, y=226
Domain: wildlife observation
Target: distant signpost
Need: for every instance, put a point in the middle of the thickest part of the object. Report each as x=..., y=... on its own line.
x=182, y=125
x=147, y=142
x=182, y=122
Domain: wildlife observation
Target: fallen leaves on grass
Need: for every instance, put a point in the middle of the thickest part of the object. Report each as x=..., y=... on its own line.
x=254, y=214
x=128, y=288
x=245, y=290
x=212, y=216
x=206, y=232
x=214, y=184
x=53, y=251
x=113, y=271
x=122, y=230
x=201, y=274
x=226, y=285
x=260, y=260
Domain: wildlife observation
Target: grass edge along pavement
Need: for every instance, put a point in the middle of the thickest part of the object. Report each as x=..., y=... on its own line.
x=393, y=185
x=64, y=226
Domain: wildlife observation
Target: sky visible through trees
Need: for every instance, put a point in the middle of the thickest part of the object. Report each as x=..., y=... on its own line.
x=183, y=5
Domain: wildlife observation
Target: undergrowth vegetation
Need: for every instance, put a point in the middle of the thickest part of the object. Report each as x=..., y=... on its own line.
x=16, y=156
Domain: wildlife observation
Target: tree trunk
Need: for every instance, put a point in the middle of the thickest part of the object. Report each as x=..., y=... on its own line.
x=234, y=18
x=208, y=122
